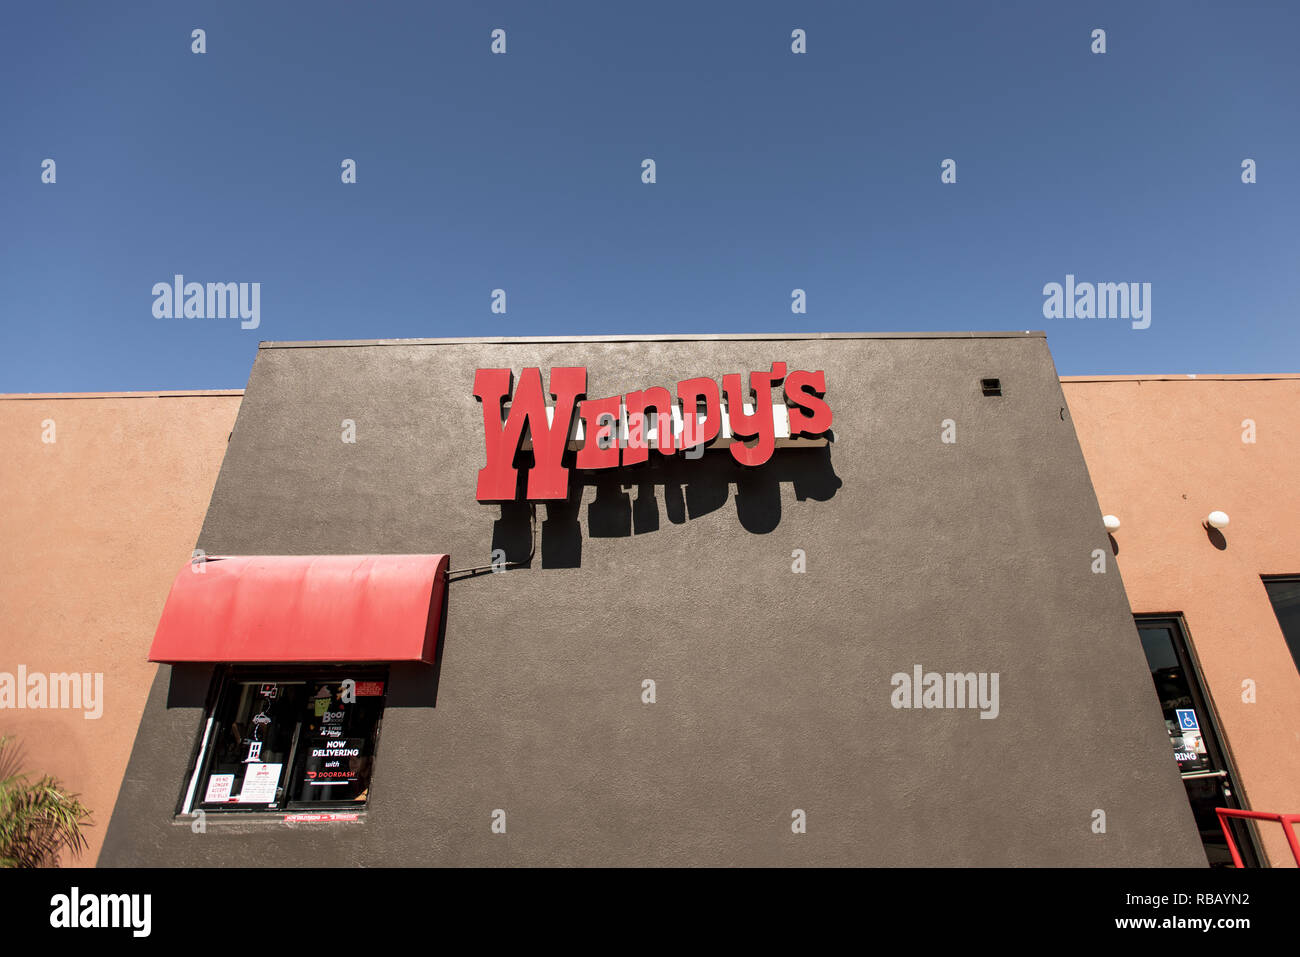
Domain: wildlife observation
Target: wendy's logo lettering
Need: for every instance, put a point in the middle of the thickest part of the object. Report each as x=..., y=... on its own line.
x=621, y=430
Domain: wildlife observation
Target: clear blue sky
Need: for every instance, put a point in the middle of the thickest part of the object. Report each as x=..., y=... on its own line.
x=775, y=171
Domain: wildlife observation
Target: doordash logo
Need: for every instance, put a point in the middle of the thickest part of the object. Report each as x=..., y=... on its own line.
x=620, y=431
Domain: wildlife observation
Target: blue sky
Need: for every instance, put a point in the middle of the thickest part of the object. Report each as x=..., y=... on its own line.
x=775, y=171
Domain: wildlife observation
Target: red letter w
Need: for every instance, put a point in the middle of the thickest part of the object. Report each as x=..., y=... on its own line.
x=548, y=479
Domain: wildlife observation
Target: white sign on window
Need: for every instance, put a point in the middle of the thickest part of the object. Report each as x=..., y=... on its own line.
x=219, y=786
x=260, y=781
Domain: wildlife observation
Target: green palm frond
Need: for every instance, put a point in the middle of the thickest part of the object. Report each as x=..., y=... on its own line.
x=38, y=820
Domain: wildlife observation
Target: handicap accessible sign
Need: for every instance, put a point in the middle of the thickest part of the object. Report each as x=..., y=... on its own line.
x=1187, y=719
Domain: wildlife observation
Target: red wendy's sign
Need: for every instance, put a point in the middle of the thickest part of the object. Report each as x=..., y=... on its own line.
x=621, y=430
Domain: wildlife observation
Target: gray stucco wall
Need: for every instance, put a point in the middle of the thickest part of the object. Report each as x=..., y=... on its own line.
x=773, y=688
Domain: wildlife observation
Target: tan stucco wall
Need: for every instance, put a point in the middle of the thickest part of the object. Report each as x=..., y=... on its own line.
x=94, y=526
x=1165, y=452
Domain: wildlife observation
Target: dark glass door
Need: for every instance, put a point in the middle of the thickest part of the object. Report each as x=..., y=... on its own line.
x=1193, y=738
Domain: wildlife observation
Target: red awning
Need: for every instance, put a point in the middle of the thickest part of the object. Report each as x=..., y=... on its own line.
x=303, y=608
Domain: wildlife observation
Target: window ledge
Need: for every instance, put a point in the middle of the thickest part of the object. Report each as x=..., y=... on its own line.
x=263, y=820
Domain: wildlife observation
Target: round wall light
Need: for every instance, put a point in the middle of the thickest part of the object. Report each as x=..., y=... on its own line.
x=1111, y=523
x=1217, y=519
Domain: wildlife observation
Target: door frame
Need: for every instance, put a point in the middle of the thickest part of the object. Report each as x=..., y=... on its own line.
x=1218, y=741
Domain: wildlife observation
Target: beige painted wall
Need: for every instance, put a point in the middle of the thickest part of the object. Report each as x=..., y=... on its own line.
x=1165, y=452
x=94, y=527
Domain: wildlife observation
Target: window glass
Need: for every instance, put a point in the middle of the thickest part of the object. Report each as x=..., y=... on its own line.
x=338, y=743
x=286, y=740
x=1284, y=593
x=1173, y=688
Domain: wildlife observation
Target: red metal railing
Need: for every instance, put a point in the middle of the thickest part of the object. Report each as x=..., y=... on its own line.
x=1286, y=820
